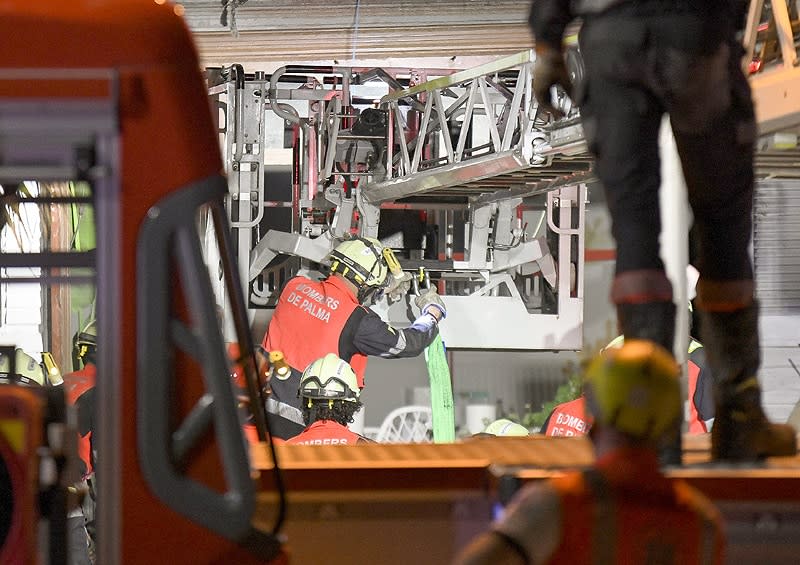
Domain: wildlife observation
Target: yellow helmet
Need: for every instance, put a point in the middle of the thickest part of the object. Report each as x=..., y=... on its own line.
x=88, y=336
x=329, y=378
x=635, y=388
x=360, y=260
x=505, y=427
x=84, y=346
x=26, y=370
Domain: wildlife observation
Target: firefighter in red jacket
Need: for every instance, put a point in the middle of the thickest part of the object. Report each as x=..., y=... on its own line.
x=79, y=389
x=622, y=509
x=28, y=372
x=313, y=318
x=570, y=418
x=329, y=393
x=641, y=61
x=79, y=392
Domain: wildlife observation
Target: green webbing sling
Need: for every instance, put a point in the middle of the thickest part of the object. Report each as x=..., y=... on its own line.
x=444, y=421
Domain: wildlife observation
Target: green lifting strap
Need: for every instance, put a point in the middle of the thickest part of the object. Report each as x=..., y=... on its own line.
x=444, y=421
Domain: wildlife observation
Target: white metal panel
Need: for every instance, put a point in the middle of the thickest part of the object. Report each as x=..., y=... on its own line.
x=21, y=303
x=780, y=381
x=776, y=246
x=776, y=251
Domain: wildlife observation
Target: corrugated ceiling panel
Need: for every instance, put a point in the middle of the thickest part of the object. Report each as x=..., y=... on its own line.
x=315, y=30
x=776, y=244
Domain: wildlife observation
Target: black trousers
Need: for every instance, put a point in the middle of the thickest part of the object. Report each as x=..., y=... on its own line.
x=639, y=67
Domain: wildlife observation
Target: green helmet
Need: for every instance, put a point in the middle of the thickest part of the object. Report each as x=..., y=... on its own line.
x=360, y=260
x=329, y=378
x=634, y=388
x=26, y=370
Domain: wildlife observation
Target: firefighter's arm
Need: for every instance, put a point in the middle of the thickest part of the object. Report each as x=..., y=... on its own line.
x=373, y=336
x=548, y=19
x=533, y=522
x=492, y=548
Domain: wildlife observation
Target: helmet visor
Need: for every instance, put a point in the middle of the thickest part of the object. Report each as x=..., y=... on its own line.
x=332, y=388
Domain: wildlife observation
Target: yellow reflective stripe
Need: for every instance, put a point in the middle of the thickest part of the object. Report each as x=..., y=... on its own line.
x=620, y=340
x=14, y=432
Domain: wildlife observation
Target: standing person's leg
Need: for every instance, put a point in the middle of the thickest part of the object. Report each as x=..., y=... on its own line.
x=716, y=147
x=621, y=120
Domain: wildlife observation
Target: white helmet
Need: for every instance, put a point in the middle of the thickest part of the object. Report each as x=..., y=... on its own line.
x=329, y=378
x=360, y=260
x=26, y=370
x=505, y=427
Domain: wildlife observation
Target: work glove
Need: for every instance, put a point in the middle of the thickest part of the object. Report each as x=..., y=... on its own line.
x=548, y=71
x=398, y=287
x=430, y=301
x=425, y=323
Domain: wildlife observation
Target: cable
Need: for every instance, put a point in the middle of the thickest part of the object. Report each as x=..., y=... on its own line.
x=355, y=29
x=230, y=6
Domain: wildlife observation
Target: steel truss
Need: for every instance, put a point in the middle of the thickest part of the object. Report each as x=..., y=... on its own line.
x=468, y=147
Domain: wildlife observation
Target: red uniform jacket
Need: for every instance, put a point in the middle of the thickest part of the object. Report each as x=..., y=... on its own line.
x=308, y=323
x=326, y=432
x=696, y=425
x=79, y=390
x=701, y=389
x=568, y=419
x=623, y=510
x=314, y=318
x=669, y=518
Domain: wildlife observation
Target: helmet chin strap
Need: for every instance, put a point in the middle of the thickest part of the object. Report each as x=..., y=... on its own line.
x=366, y=293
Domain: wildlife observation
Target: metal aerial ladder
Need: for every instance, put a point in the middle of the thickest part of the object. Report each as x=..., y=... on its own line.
x=478, y=136
x=468, y=148
x=770, y=40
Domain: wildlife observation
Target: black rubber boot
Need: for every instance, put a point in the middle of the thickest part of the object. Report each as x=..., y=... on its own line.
x=741, y=431
x=655, y=321
x=650, y=320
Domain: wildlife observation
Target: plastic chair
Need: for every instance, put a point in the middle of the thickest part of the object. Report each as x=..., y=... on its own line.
x=407, y=424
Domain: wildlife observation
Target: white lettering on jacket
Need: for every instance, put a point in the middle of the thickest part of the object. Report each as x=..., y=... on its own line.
x=326, y=441
x=572, y=425
x=317, y=296
x=311, y=304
